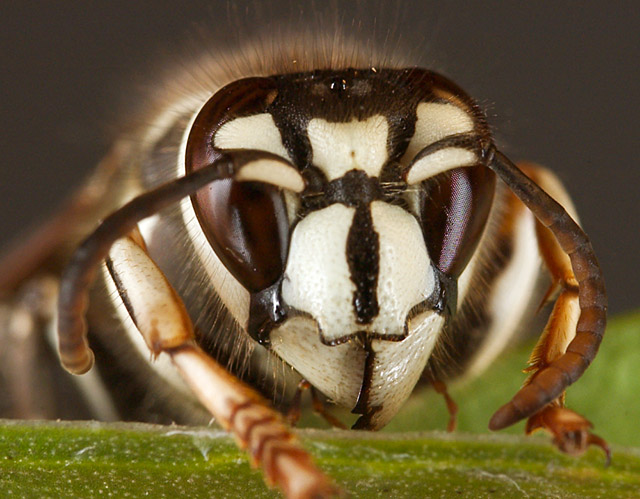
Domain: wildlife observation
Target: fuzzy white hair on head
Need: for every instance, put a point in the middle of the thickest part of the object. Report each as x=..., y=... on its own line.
x=265, y=38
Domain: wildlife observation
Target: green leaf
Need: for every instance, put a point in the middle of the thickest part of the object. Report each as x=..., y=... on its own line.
x=86, y=459
x=607, y=394
x=117, y=460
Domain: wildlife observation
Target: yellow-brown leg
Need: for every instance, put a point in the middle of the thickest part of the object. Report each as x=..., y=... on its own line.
x=571, y=431
x=452, y=407
x=294, y=412
x=161, y=318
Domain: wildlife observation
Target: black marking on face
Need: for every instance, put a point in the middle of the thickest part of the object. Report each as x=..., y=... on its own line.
x=443, y=300
x=342, y=96
x=362, y=404
x=363, y=246
x=355, y=188
x=352, y=189
x=266, y=311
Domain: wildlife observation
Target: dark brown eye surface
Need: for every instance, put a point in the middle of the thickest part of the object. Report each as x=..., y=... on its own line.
x=245, y=97
x=246, y=223
x=454, y=209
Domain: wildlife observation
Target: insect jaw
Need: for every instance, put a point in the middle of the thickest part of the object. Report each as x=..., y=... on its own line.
x=373, y=375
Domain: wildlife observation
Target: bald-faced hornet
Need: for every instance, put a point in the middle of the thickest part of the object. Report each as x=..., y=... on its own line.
x=335, y=223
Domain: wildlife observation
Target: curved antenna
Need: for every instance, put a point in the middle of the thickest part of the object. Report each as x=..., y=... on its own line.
x=550, y=382
x=75, y=354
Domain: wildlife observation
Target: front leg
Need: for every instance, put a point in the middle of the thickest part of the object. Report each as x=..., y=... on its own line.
x=571, y=431
x=24, y=354
x=160, y=316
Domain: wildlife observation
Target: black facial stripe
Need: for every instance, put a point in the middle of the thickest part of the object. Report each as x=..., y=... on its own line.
x=293, y=131
x=402, y=128
x=363, y=258
x=363, y=404
x=352, y=189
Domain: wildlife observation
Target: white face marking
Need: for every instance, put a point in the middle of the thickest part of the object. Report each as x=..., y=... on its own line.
x=435, y=122
x=341, y=147
x=251, y=132
x=337, y=371
x=317, y=279
x=440, y=161
x=272, y=172
x=398, y=366
x=405, y=277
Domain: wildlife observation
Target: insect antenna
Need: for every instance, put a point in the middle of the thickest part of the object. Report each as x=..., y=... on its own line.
x=75, y=354
x=550, y=382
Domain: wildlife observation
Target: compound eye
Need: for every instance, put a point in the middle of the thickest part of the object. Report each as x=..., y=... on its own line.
x=454, y=210
x=244, y=218
x=246, y=224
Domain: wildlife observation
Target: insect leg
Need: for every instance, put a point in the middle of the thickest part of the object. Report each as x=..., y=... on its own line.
x=561, y=326
x=570, y=430
x=75, y=354
x=294, y=412
x=560, y=329
x=550, y=382
x=23, y=351
x=161, y=317
x=452, y=407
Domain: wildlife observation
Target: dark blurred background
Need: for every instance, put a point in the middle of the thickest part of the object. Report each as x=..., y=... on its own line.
x=558, y=79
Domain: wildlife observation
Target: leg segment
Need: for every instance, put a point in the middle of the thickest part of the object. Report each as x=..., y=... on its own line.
x=293, y=414
x=550, y=382
x=161, y=318
x=75, y=354
x=23, y=324
x=570, y=430
x=561, y=327
x=452, y=407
